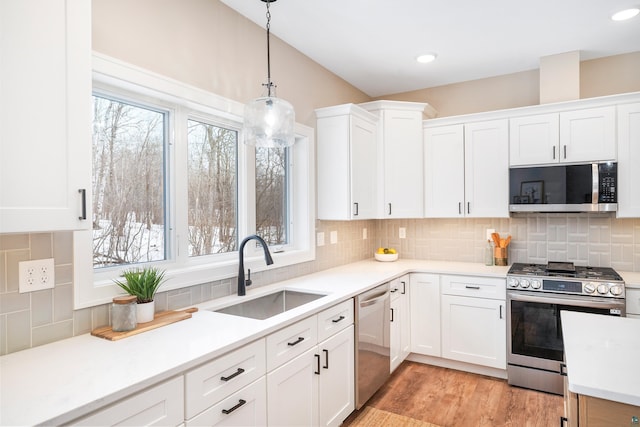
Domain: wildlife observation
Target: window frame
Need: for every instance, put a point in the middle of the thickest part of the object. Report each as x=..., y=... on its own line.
x=112, y=77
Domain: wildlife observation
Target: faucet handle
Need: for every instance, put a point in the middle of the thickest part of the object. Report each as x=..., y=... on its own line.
x=248, y=281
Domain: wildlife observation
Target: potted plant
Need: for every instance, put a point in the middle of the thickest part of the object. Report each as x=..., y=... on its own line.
x=143, y=284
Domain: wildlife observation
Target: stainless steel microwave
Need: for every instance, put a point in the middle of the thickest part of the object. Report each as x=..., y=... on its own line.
x=588, y=187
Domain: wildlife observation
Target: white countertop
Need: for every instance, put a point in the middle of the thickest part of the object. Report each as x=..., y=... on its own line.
x=602, y=354
x=64, y=380
x=631, y=278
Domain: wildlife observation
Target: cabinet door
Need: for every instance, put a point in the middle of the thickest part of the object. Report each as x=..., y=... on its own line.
x=403, y=164
x=444, y=171
x=425, y=314
x=363, y=168
x=337, y=383
x=247, y=407
x=474, y=330
x=588, y=135
x=292, y=392
x=394, y=334
x=45, y=114
x=162, y=405
x=628, y=161
x=534, y=140
x=347, y=163
x=486, y=151
x=405, y=318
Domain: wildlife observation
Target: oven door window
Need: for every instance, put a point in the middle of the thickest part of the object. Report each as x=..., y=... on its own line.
x=536, y=330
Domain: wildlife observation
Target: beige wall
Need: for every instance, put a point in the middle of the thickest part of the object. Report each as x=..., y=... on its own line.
x=210, y=46
x=598, y=77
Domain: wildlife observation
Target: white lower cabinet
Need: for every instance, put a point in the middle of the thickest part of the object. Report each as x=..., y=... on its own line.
x=161, y=405
x=400, y=344
x=224, y=383
x=425, y=314
x=247, y=407
x=474, y=327
x=315, y=388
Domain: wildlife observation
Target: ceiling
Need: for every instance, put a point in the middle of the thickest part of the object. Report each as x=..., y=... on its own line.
x=373, y=44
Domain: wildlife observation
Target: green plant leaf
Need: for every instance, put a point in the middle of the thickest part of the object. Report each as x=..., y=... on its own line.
x=143, y=283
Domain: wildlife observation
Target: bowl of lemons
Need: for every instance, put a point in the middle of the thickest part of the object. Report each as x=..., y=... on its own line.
x=386, y=254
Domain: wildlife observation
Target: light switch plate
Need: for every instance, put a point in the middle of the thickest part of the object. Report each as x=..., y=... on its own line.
x=402, y=231
x=36, y=275
x=334, y=237
x=490, y=231
x=320, y=238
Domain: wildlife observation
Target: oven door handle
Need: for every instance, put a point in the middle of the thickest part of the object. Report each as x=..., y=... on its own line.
x=588, y=302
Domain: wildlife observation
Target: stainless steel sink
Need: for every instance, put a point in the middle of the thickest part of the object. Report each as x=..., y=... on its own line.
x=271, y=304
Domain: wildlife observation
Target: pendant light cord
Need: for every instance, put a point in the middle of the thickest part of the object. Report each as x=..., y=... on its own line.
x=269, y=84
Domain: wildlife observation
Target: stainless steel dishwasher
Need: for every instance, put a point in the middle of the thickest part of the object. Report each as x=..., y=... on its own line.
x=372, y=344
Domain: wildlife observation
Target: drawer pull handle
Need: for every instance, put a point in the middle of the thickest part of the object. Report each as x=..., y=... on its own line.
x=339, y=319
x=230, y=410
x=326, y=359
x=232, y=376
x=563, y=369
x=472, y=287
x=298, y=341
x=317, y=371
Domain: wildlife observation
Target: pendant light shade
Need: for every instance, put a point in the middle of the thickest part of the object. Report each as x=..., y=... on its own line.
x=269, y=121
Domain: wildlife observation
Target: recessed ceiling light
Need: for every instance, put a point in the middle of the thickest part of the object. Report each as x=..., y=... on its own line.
x=426, y=58
x=625, y=14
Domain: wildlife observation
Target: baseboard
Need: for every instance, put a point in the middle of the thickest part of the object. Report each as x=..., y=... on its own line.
x=459, y=366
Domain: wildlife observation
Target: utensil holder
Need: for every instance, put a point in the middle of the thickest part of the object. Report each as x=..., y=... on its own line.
x=500, y=256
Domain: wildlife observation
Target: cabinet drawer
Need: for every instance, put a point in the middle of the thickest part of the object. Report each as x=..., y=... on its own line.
x=160, y=405
x=481, y=287
x=247, y=407
x=291, y=341
x=335, y=319
x=633, y=301
x=212, y=382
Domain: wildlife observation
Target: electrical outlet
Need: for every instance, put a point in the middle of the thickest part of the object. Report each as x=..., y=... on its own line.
x=333, y=236
x=364, y=234
x=320, y=238
x=490, y=231
x=402, y=231
x=36, y=275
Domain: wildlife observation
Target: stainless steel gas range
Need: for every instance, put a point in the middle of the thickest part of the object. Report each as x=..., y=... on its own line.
x=536, y=293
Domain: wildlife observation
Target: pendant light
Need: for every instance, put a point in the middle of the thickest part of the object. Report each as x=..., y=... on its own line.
x=269, y=121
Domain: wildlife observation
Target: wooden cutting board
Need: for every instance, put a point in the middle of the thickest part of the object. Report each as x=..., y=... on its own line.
x=161, y=319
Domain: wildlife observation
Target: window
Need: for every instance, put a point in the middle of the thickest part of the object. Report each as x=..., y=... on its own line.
x=174, y=187
x=212, y=171
x=272, y=189
x=128, y=183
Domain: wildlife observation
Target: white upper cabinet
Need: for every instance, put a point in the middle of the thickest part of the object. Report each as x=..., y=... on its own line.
x=486, y=163
x=400, y=153
x=628, y=161
x=467, y=170
x=444, y=171
x=534, y=140
x=45, y=115
x=586, y=135
x=347, y=162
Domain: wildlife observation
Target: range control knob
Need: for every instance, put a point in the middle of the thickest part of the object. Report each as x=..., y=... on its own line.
x=535, y=284
x=524, y=283
x=603, y=288
x=589, y=287
x=616, y=290
x=513, y=282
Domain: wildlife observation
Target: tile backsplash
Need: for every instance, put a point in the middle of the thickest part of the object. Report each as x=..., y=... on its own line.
x=40, y=317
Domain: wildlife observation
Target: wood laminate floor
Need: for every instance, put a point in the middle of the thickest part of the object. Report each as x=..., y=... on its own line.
x=451, y=398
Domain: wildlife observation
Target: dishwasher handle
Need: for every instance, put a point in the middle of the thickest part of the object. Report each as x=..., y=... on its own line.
x=374, y=299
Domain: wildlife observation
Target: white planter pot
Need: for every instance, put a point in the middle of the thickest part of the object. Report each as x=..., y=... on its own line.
x=145, y=312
